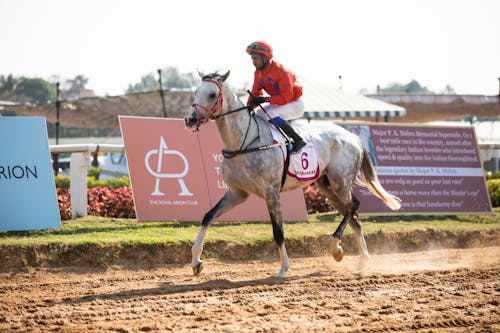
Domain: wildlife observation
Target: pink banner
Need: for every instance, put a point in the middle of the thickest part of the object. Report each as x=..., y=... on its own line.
x=176, y=176
x=432, y=169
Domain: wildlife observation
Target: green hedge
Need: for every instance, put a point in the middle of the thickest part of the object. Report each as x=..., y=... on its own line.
x=494, y=190
x=494, y=175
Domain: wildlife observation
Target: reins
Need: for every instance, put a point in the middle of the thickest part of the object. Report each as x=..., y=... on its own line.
x=229, y=112
x=212, y=116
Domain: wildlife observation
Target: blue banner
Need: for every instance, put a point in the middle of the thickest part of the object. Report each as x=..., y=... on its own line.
x=28, y=198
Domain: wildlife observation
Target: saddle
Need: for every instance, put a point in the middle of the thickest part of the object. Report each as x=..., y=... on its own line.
x=303, y=165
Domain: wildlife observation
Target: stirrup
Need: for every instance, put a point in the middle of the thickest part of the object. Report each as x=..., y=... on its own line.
x=297, y=146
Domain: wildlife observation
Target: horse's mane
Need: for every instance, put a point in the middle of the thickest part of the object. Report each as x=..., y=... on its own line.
x=211, y=76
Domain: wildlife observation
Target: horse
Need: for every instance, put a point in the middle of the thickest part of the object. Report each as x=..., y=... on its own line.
x=253, y=164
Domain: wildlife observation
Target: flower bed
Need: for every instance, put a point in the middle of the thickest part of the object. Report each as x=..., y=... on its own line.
x=118, y=202
x=102, y=201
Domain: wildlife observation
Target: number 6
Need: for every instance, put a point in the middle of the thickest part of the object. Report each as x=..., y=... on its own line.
x=305, y=162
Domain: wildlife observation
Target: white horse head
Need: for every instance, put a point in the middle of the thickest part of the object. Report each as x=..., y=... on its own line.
x=208, y=100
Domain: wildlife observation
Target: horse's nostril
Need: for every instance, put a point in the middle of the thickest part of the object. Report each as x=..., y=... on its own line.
x=190, y=121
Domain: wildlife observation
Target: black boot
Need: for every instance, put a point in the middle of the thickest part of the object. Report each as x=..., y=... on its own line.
x=298, y=143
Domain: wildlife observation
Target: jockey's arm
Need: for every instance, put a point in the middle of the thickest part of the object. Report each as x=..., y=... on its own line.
x=285, y=91
x=256, y=90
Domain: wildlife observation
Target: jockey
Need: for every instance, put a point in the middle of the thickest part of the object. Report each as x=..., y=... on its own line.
x=282, y=87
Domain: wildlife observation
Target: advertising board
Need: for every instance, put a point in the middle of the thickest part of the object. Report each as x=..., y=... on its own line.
x=28, y=199
x=432, y=169
x=176, y=175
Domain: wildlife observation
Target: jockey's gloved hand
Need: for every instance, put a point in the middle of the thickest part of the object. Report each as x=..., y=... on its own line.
x=258, y=100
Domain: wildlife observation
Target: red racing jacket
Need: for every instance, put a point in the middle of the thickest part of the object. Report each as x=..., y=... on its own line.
x=279, y=82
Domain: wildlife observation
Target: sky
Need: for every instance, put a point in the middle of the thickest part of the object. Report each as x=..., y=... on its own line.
x=368, y=42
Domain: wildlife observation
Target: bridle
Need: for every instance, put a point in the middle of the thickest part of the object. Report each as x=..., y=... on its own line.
x=212, y=115
x=213, y=110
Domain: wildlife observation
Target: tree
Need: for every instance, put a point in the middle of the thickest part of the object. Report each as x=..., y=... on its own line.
x=171, y=78
x=449, y=90
x=7, y=85
x=148, y=82
x=36, y=89
x=26, y=90
x=413, y=87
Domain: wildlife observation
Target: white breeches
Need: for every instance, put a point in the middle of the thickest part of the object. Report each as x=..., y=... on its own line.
x=292, y=110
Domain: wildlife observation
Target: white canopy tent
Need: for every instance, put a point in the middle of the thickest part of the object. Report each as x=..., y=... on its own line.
x=323, y=101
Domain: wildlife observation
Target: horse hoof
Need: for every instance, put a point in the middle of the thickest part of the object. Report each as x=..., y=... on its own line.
x=339, y=254
x=283, y=270
x=336, y=249
x=363, y=262
x=197, y=269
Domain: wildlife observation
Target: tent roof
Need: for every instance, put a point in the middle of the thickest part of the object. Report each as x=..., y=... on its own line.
x=324, y=101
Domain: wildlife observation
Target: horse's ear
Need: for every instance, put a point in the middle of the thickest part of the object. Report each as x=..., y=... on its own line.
x=201, y=74
x=224, y=77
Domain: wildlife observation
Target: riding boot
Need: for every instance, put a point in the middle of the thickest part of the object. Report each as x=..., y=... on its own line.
x=298, y=143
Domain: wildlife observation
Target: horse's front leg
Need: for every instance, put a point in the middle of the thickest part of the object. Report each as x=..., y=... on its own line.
x=274, y=208
x=230, y=199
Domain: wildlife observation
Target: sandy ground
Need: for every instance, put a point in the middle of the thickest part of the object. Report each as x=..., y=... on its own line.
x=432, y=291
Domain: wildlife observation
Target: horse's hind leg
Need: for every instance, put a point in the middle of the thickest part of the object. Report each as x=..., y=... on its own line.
x=364, y=256
x=274, y=208
x=230, y=199
x=345, y=203
x=323, y=184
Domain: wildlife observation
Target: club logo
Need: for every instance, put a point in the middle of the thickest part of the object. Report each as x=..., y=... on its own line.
x=163, y=150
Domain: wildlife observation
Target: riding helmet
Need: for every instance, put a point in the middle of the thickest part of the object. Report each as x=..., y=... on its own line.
x=260, y=47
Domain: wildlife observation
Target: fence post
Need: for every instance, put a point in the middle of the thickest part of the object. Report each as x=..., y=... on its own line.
x=78, y=183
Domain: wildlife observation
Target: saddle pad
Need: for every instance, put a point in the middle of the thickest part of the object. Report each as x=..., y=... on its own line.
x=304, y=165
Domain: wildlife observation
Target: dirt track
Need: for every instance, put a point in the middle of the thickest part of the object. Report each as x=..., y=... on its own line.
x=432, y=291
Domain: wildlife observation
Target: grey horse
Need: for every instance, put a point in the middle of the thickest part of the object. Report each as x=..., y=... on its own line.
x=254, y=164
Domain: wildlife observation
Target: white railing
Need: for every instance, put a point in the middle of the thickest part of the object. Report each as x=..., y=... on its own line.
x=489, y=145
x=80, y=160
x=79, y=163
x=89, y=148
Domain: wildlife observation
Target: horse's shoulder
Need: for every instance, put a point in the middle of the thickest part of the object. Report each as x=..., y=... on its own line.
x=264, y=127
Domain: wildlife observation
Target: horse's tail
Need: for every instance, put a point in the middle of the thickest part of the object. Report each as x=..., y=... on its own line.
x=370, y=180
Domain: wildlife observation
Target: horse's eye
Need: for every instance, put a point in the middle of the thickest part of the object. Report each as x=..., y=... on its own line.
x=212, y=96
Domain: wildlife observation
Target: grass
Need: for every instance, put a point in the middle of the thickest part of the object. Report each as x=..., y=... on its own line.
x=92, y=230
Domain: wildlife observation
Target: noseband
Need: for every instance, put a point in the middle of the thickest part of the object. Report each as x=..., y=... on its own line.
x=213, y=110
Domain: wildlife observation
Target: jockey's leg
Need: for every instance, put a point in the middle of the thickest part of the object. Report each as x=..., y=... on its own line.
x=279, y=116
x=230, y=199
x=298, y=142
